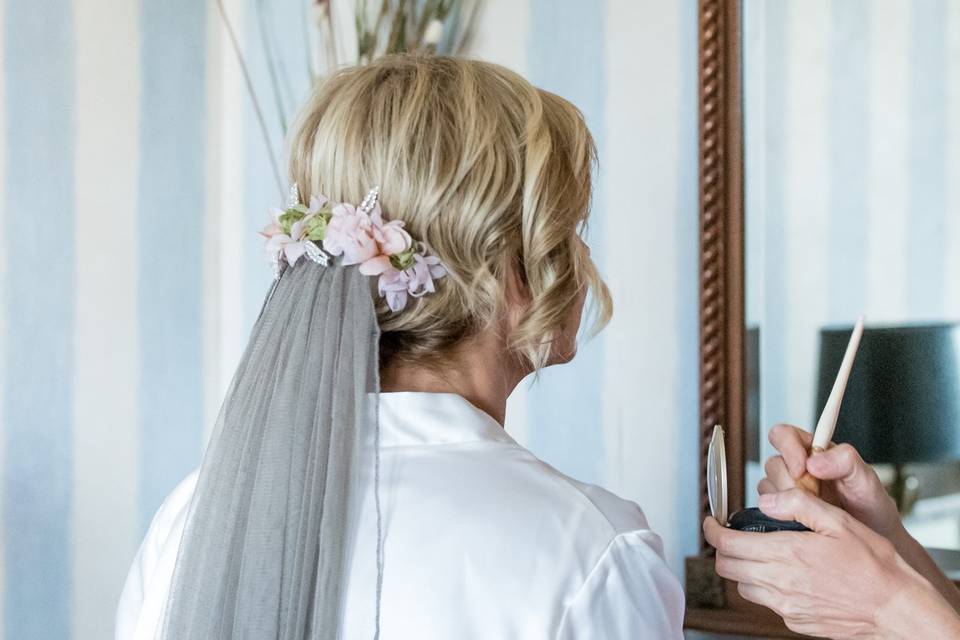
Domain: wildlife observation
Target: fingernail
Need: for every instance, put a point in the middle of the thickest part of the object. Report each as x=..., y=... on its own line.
x=768, y=500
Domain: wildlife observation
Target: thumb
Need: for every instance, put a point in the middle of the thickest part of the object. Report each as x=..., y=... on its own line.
x=841, y=462
x=805, y=508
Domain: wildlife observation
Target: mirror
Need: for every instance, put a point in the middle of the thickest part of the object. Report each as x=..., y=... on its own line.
x=851, y=164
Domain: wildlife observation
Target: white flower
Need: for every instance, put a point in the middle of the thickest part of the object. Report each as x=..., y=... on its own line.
x=433, y=33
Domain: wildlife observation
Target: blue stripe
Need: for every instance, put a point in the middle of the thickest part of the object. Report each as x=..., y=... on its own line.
x=259, y=184
x=39, y=307
x=926, y=260
x=567, y=57
x=848, y=211
x=171, y=209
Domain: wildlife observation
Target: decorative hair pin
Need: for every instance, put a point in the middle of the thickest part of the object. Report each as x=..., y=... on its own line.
x=406, y=267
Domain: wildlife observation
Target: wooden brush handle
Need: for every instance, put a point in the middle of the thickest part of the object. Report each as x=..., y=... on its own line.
x=807, y=482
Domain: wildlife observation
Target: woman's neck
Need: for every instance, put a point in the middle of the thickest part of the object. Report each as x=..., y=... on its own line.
x=481, y=370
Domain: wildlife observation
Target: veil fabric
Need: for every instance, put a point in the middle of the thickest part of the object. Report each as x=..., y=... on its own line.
x=267, y=543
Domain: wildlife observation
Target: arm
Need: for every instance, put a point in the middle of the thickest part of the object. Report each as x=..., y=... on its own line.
x=851, y=484
x=842, y=580
x=629, y=593
x=918, y=558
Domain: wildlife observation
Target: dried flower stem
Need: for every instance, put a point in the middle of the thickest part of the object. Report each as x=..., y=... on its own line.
x=253, y=96
x=271, y=66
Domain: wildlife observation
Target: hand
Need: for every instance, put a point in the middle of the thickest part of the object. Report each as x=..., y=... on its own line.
x=846, y=480
x=842, y=580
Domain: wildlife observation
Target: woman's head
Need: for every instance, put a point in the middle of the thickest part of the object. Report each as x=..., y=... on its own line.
x=492, y=172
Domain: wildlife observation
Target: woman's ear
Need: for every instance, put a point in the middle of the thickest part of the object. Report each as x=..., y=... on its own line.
x=517, y=290
x=517, y=294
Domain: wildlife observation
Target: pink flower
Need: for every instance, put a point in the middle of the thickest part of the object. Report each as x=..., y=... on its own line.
x=422, y=273
x=349, y=233
x=391, y=236
x=273, y=228
x=376, y=265
x=404, y=267
x=291, y=247
x=393, y=286
x=392, y=282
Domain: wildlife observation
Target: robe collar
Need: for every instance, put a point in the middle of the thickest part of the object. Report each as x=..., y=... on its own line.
x=421, y=418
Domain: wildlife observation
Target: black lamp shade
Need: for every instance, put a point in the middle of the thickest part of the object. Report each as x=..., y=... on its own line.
x=902, y=403
x=751, y=349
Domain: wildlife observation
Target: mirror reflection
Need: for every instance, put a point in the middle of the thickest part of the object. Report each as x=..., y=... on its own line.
x=852, y=198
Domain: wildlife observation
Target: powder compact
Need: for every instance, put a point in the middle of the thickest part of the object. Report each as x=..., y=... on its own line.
x=751, y=519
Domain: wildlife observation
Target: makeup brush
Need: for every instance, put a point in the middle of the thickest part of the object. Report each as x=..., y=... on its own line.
x=823, y=434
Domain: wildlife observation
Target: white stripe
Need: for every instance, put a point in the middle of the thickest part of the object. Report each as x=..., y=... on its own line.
x=224, y=273
x=502, y=34
x=501, y=37
x=756, y=142
x=952, y=281
x=805, y=200
x=888, y=156
x=3, y=297
x=343, y=20
x=640, y=164
x=105, y=340
x=211, y=223
x=755, y=158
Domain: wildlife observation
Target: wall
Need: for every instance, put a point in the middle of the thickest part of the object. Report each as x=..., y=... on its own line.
x=133, y=181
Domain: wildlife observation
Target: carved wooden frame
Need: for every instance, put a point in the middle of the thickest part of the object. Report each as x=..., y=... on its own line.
x=722, y=394
x=713, y=604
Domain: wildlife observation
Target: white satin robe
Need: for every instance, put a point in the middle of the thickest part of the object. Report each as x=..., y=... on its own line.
x=481, y=541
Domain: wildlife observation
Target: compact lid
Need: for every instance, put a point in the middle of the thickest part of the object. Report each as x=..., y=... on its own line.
x=717, y=476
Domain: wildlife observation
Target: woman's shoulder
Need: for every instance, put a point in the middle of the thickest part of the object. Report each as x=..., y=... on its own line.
x=144, y=591
x=626, y=588
x=588, y=516
x=624, y=517
x=173, y=509
x=619, y=514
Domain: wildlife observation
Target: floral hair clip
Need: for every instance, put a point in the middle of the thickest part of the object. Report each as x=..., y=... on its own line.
x=405, y=266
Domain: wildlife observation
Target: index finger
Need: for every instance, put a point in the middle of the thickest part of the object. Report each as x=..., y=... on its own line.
x=760, y=547
x=794, y=444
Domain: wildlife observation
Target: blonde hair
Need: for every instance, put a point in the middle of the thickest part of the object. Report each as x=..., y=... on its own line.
x=491, y=171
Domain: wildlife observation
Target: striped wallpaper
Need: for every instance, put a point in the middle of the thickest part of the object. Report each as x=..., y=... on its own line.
x=127, y=135
x=853, y=177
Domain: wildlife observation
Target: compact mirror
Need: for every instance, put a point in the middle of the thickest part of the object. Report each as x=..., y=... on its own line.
x=751, y=519
x=717, y=476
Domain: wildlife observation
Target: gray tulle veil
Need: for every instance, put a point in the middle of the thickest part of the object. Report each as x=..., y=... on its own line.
x=268, y=536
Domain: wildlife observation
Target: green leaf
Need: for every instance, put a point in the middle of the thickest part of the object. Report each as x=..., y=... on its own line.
x=290, y=216
x=316, y=227
x=403, y=260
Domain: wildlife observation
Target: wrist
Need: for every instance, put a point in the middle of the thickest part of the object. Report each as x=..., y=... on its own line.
x=914, y=604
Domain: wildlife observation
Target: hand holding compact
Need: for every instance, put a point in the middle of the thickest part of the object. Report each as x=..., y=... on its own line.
x=841, y=580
